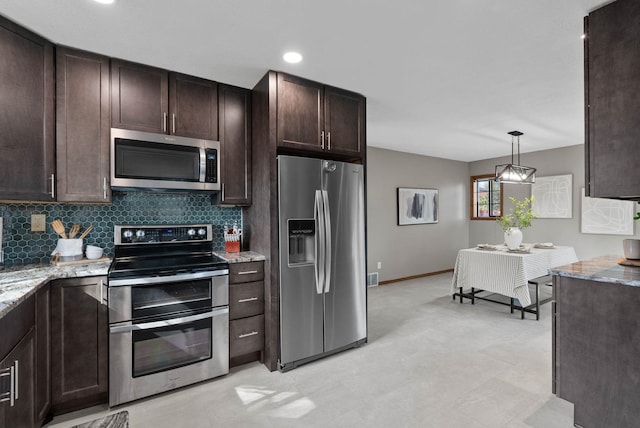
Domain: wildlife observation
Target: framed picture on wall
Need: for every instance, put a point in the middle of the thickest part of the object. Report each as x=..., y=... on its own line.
x=417, y=206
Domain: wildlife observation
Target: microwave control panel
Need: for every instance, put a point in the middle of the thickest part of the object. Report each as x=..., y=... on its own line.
x=211, y=175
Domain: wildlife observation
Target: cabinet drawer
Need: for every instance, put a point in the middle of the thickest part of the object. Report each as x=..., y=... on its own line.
x=246, y=272
x=246, y=335
x=246, y=300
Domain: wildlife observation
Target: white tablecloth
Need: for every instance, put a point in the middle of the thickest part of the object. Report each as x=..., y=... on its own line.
x=507, y=273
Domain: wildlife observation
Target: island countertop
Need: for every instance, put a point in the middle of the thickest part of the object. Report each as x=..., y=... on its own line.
x=602, y=269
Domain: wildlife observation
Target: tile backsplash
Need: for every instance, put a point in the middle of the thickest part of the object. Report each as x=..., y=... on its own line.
x=21, y=246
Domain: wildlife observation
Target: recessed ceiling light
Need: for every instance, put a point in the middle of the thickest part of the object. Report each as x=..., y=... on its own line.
x=105, y=1
x=292, y=57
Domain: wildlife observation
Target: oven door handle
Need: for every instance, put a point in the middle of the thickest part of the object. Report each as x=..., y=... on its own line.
x=169, y=278
x=167, y=323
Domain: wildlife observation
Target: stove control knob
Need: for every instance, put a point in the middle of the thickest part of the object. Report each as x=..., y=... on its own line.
x=191, y=232
x=127, y=234
x=202, y=231
x=139, y=233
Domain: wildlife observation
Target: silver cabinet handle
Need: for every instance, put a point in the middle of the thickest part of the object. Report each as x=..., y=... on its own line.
x=322, y=140
x=247, y=272
x=222, y=192
x=250, y=299
x=104, y=187
x=16, y=378
x=329, y=140
x=101, y=285
x=173, y=123
x=242, y=336
x=9, y=395
x=164, y=121
x=53, y=186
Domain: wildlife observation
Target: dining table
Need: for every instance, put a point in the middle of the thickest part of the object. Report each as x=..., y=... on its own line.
x=497, y=269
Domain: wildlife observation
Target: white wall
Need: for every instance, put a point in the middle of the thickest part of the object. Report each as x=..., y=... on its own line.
x=416, y=249
x=566, y=160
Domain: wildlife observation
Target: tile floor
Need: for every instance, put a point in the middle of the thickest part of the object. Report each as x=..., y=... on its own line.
x=430, y=362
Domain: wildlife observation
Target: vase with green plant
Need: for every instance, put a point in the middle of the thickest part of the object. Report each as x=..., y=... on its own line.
x=520, y=217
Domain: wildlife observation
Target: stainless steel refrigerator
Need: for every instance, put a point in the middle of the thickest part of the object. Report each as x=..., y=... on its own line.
x=323, y=303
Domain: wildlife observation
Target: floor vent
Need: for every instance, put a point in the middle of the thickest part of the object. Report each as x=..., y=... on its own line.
x=372, y=279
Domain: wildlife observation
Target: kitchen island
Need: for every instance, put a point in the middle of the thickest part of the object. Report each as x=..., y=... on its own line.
x=596, y=341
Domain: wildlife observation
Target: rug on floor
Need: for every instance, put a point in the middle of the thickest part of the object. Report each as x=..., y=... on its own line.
x=117, y=420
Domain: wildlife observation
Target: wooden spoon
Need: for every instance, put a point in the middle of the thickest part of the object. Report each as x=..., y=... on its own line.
x=73, y=231
x=86, y=232
x=58, y=227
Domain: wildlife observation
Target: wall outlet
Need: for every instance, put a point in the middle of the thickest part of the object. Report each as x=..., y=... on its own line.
x=379, y=265
x=38, y=222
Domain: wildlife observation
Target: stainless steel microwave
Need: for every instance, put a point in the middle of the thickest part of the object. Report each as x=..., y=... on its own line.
x=142, y=160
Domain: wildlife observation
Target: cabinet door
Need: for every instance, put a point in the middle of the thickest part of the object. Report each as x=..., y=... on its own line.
x=20, y=362
x=43, y=355
x=83, y=126
x=234, y=107
x=344, y=117
x=613, y=107
x=79, y=353
x=193, y=107
x=27, y=163
x=300, y=111
x=139, y=97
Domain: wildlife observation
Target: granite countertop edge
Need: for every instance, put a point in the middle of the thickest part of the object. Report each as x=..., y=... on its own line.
x=601, y=269
x=241, y=257
x=18, y=283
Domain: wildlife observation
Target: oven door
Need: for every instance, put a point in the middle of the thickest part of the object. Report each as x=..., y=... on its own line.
x=159, y=355
x=144, y=297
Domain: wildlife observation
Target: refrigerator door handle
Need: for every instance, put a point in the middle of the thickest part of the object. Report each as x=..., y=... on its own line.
x=319, y=241
x=327, y=222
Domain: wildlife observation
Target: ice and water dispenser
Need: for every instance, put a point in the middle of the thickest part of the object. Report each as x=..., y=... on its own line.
x=302, y=234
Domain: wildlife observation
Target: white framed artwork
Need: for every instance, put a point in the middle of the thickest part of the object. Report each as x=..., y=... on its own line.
x=417, y=206
x=606, y=216
x=553, y=196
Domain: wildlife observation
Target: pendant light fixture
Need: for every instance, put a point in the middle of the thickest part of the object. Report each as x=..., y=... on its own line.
x=514, y=172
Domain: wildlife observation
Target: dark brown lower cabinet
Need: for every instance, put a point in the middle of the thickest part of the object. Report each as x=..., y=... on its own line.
x=18, y=411
x=246, y=312
x=79, y=343
x=17, y=359
x=595, y=351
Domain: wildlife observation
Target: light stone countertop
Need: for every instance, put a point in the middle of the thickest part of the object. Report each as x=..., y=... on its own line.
x=241, y=257
x=602, y=269
x=17, y=283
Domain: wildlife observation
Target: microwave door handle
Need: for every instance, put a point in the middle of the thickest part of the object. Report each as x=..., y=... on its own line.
x=169, y=322
x=203, y=165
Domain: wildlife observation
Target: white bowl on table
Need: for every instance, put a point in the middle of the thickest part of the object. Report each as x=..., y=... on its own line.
x=92, y=252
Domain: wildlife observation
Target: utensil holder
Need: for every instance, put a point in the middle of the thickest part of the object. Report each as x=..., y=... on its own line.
x=69, y=249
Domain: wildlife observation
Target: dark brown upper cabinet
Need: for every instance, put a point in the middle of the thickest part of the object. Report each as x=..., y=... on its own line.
x=344, y=119
x=27, y=128
x=83, y=126
x=145, y=98
x=234, y=112
x=319, y=118
x=139, y=97
x=612, y=105
x=193, y=107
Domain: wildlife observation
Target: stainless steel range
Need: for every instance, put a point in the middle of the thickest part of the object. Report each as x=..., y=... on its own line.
x=168, y=310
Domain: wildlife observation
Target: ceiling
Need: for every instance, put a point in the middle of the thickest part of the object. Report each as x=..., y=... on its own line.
x=444, y=78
